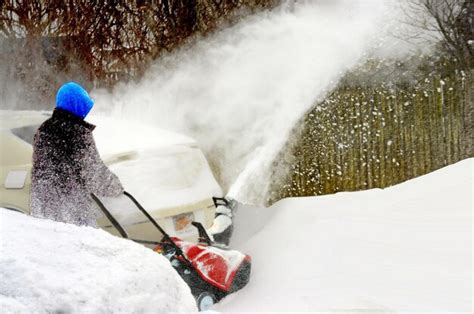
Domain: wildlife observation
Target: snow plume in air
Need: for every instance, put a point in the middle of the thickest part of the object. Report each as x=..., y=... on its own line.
x=240, y=92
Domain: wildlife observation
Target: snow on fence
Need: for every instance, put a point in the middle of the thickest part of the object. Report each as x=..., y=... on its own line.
x=372, y=137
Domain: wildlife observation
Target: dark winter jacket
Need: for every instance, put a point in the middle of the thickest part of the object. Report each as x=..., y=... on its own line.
x=66, y=169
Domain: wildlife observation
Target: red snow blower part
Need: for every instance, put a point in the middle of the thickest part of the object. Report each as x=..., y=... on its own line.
x=209, y=270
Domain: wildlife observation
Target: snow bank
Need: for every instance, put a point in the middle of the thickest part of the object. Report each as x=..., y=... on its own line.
x=406, y=248
x=47, y=266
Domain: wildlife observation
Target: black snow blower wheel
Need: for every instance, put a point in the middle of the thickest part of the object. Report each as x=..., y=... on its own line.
x=205, y=301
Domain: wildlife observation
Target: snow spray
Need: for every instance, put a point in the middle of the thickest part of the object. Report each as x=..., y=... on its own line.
x=240, y=91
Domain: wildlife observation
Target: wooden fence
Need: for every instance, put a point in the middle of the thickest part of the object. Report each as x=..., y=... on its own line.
x=373, y=137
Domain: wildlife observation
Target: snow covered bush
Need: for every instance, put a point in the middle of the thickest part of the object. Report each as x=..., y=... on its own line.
x=47, y=266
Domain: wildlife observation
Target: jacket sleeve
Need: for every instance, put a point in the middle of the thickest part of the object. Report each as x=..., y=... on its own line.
x=94, y=173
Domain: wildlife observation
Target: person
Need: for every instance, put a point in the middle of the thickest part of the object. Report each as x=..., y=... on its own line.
x=67, y=167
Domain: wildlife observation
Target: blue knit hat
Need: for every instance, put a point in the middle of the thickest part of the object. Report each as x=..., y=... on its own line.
x=73, y=98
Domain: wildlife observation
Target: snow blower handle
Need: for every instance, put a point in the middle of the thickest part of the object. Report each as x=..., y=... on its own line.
x=111, y=218
x=153, y=221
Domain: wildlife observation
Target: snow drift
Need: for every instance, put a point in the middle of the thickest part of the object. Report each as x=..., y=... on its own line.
x=406, y=248
x=53, y=267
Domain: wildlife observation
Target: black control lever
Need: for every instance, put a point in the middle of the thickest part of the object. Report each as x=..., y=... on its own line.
x=203, y=236
x=221, y=201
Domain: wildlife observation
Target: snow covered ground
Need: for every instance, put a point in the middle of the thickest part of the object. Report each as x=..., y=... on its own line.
x=406, y=248
x=53, y=267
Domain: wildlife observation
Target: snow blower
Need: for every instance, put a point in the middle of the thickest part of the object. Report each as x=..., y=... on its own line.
x=210, y=271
